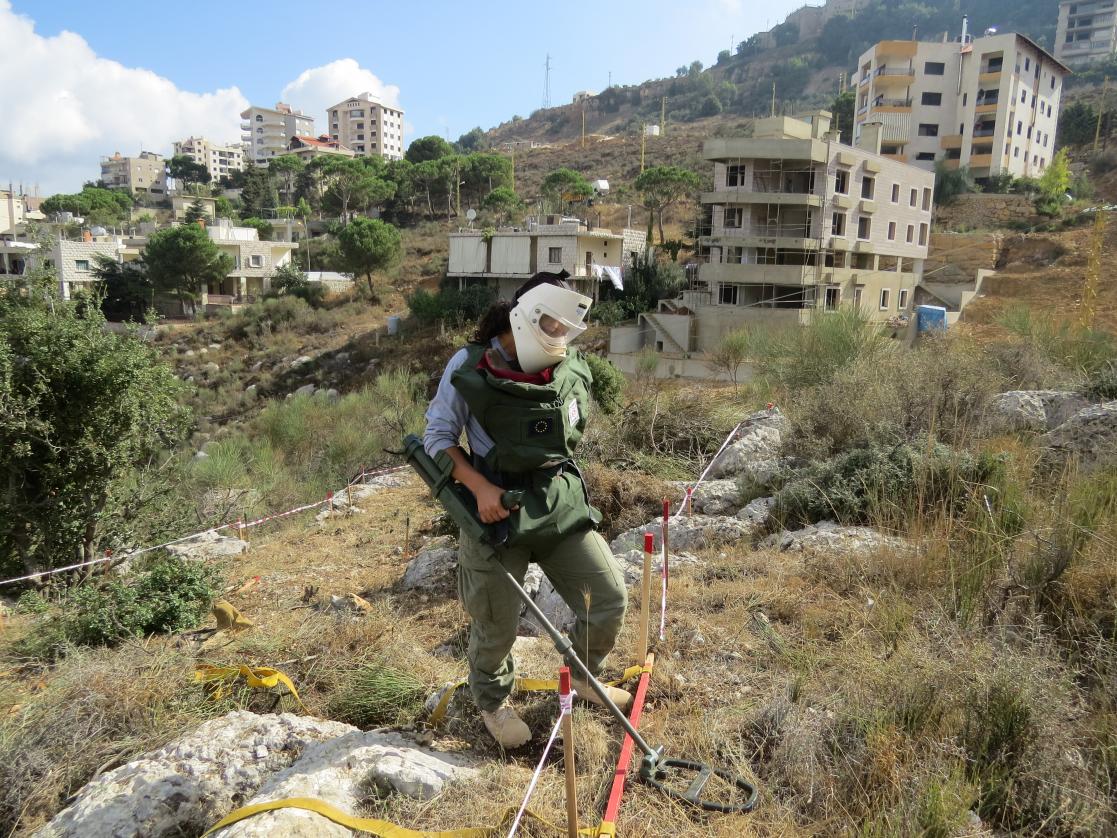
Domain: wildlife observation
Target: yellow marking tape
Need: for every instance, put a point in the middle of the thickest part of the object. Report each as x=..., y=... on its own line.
x=608, y=829
x=383, y=829
x=262, y=677
x=526, y=685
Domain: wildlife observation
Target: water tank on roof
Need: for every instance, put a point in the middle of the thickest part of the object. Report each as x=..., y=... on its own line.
x=99, y=231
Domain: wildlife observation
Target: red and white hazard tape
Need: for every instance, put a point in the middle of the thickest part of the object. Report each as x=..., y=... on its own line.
x=238, y=525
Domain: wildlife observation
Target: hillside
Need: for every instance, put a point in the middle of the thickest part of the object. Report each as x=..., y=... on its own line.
x=803, y=64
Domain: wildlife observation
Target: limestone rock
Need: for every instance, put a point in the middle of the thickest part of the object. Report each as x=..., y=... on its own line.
x=214, y=346
x=1033, y=410
x=251, y=391
x=687, y=532
x=305, y=390
x=373, y=485
x=211, y=368
x=552, y=605
x=333, y=395
x=208, y=545
x=259, y=365
x=432, y=568
x=349, y=604
x=245, y=758
x=632, y=563
x=756, y=512
x=1089, y=436
x=189, y=784
x=302, y=360
x=715, y=497
x=828, y=537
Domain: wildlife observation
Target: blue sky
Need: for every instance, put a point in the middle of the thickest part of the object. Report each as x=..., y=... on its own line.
x=455, y=65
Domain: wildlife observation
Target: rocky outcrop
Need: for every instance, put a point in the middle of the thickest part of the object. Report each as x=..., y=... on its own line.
x=753, y=459
x=208, y=545
x=1033, y=410
x=828, y=537
x=714, y=497
x=1088, y=437
x=687, y=532
x=186, y=786
x=757, y=512
x=432, y=568
x=632, y=563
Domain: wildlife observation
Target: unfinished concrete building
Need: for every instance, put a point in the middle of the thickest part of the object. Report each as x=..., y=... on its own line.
x=796, y=226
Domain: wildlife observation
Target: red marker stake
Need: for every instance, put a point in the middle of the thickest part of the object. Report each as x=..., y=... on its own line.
x=565, y=700
x=646, y=595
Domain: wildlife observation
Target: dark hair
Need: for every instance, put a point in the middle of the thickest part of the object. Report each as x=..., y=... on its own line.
x=496, y=320
x=493, y=322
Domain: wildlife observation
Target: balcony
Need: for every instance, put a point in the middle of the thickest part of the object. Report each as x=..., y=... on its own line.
x=985, y=130
x=730, y=272
x=981, y=161
x=905, y=50
x=735, y=195
x=884, y=105
x=899, y=158
x=887, y=76
x=989, y=77
x=950, y=141
x=246, y=126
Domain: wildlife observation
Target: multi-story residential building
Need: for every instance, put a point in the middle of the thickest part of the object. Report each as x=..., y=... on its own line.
x=268, y=131
x=75, y=259
x=1087, y=31
x=254, y=262
x=13, y=211
x=990, y=104
x=797, y=225
x=220, y=160
x=146, y=173
x=509, y=257
x=367, y=126
x=310, y=147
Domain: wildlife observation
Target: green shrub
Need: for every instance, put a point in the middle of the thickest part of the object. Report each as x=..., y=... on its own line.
x=998, y=734
x=882, y=485
x=608, y=382
x=171, y=595
x=609, y=313
x=1078, y=350
x=1101, y=384
x=288, y=312
x=451, y=304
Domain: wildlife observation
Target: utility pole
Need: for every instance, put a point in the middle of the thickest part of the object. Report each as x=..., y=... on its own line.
x=583, y=126
x=643, y=139
x=773, y=98
x=513, y=166
x=610, y=79
x=663, y=117
x=1101, y=110
x=547, y=82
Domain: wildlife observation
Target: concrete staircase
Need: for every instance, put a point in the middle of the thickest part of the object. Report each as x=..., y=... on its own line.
x=663, y=334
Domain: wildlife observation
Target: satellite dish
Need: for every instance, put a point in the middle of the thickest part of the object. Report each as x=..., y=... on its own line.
x=470, y=214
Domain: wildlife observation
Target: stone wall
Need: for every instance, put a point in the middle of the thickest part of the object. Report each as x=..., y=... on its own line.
x=983, y=211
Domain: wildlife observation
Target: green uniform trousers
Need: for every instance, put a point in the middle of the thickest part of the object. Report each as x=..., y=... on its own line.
x=576, y=564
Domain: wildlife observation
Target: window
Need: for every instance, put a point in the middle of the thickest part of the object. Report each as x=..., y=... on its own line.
x=256, y=260
x=927, y=199
x=913, y=197
x=902, y=299
x=925, y=155
x=923, y=235
x=735, y=175
x=841, y=182
x=864, y=227
x=931, y=99
x=554, y=255
x=838, y=226
x=1027, y=64
x=832, y=297
x=868, y=186
x=858, y=293
x=727, y=295
x=885, y=295
x=934, y=68
x=892, y=231
x=928, y=130
x=735, y=255
x=734, y=217
x=911, y=233
x=81, y=264
x=895, y=193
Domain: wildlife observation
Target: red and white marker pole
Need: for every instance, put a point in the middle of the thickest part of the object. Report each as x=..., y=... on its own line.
x=646, y=594
x=566, y=703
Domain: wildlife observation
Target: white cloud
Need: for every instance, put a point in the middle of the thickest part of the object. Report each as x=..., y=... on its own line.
x=319, y=88
x=64, y=107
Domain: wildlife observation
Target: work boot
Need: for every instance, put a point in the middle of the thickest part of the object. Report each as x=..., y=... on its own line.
x=621, y=698
x=506, y=726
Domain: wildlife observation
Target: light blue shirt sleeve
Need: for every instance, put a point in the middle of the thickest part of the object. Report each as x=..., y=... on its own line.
x=448, y=415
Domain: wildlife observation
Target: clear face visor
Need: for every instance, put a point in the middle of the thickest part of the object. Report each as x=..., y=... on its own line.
x=555, y=329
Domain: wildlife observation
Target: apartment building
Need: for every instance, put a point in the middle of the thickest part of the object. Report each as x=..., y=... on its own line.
x=220, y=160
x=1087, y=31
x=310, y=147
x=990, y=104
x=367, y=126
x=509, y=257
x=268, y=131
x=146, y=173
x=74, y=260
x=797, y=225
x=254, y=262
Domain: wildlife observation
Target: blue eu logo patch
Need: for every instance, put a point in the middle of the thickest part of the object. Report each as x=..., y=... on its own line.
x=540, y=427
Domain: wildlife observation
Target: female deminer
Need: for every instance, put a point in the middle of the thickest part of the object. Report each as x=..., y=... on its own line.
x=521, y=395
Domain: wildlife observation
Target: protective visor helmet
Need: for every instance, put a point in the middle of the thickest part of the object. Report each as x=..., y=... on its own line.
x=545, y=319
